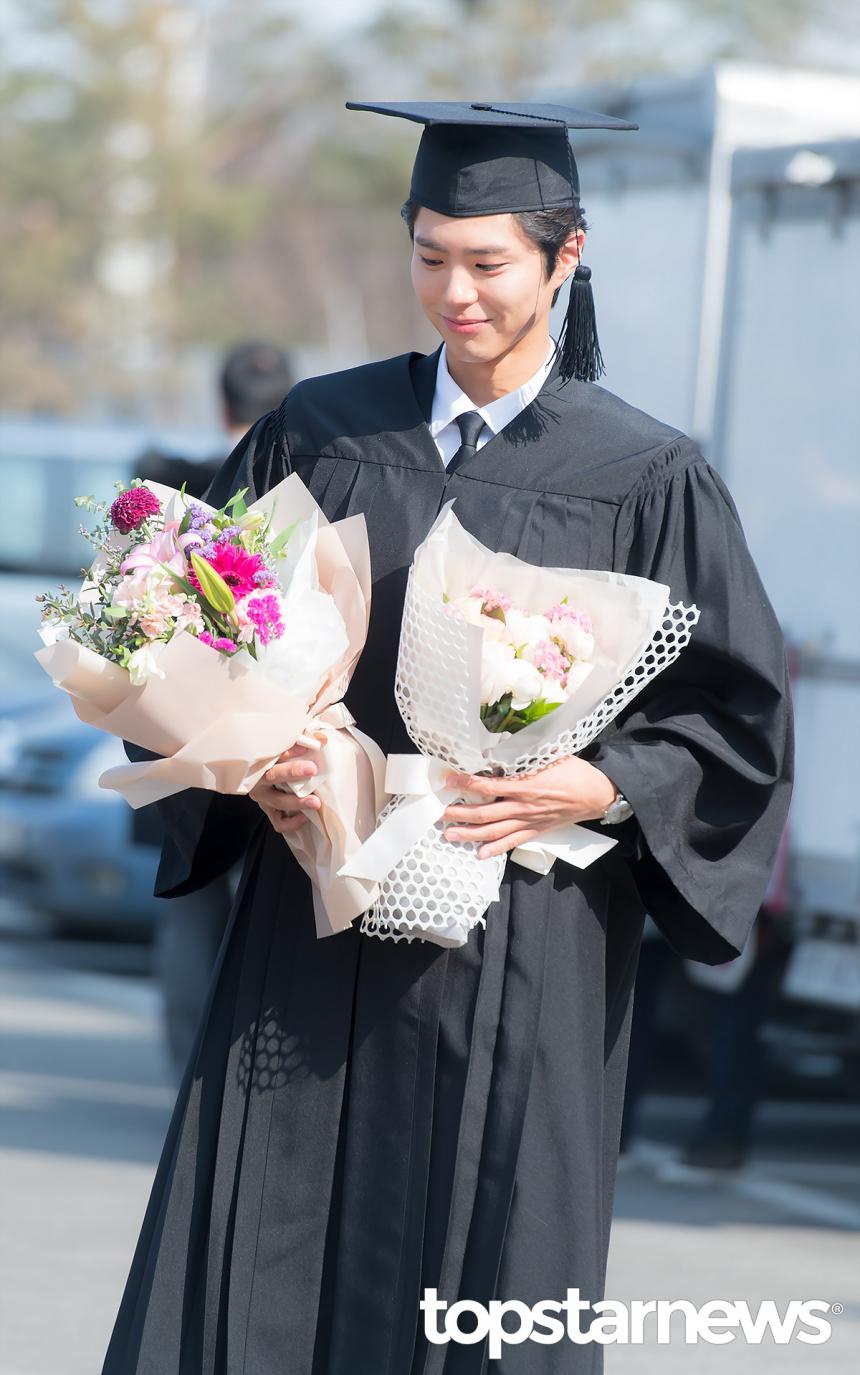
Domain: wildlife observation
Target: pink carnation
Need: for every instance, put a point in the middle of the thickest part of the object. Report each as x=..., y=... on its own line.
x=548, y=658
x=217, y=643
x=492, y=600
x=563, y=612
x=265, y=614
x=131, y=509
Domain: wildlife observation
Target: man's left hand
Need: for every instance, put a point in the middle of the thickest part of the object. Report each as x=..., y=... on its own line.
x=514, y=811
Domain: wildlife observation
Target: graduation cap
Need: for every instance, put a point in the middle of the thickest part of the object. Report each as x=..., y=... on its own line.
x=485, y=158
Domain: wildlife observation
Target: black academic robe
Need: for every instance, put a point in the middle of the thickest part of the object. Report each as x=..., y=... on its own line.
x=362, y=1119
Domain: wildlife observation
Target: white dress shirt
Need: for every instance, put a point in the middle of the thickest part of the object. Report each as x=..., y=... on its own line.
x=449, y=402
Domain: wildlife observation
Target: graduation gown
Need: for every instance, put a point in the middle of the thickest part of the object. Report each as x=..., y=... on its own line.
x=362, y=1119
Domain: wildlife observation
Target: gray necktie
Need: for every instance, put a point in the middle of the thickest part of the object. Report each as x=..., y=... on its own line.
x=470, y=425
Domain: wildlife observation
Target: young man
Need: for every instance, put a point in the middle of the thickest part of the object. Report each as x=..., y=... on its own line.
x=364, y=1120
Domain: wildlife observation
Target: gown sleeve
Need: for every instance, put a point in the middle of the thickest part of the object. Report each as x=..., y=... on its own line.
x=705, y=752
x=206, y=833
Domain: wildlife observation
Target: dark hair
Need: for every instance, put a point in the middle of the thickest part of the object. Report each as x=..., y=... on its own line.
x=255, y=378
x=548, y=229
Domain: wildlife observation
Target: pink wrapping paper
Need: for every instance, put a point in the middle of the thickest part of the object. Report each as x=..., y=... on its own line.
x=219, y=723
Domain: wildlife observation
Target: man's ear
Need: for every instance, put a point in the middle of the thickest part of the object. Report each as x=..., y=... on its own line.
x=569, y=256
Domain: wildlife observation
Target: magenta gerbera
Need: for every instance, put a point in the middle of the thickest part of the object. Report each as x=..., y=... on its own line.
x=236, y=566
x=131, y=509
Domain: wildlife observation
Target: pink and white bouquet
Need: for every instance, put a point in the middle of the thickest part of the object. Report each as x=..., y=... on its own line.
x=531, y=661
x=217, y=639
x=503, y=668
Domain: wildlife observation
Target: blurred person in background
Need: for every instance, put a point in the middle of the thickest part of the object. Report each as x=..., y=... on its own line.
x=733, y=1002
x=254, y=378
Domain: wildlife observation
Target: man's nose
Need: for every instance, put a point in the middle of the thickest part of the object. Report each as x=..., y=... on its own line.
x=459, y=288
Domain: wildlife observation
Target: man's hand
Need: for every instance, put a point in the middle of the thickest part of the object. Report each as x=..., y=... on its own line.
x=517, y=810
x=285, y=811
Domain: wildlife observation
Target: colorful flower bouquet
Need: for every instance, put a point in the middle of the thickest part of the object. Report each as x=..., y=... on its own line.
x=217, y=640
x=504, y=668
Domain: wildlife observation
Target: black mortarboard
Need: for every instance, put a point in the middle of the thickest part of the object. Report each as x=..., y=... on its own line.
x=490, y=158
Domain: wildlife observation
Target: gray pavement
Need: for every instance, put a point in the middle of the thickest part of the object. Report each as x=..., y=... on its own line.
x=85, y=1098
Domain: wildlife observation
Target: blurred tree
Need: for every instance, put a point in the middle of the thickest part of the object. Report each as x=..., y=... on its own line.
x=180, y=172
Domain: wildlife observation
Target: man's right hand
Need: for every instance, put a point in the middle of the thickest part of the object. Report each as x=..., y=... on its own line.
x=285, y=811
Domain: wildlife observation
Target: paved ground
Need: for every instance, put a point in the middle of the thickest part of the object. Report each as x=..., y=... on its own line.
x=85, y=1098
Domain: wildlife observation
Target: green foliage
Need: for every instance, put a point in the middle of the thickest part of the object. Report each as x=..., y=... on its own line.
x=501, y=716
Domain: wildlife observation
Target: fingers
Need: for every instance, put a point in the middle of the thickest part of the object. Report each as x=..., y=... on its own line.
x=313, y=741
x=307, y=742
x=277, y=801
x=478, y=783
x=482, y=814
x=497, y=831
x=291, y=771
x=273, y=799
x=509, y=842
x=285, y=823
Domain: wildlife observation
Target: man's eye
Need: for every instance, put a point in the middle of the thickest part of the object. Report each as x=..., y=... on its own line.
x=431, y=262
x=488, y=267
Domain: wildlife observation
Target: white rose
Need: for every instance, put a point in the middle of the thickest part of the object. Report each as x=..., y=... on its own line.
x=579, y=643
x=525, y=629
x=143, y=664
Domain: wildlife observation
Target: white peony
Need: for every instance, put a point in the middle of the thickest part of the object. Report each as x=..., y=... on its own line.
x=579, y=643
x=143, y=664
x=525, y=629
x=525, y=684
x=552, y=690
x=497, y=662
x=470, y=608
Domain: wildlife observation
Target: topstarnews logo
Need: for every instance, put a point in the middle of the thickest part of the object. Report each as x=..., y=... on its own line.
x=718, y=1321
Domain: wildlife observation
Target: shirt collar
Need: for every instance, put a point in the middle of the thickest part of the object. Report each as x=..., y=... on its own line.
x=449, y=401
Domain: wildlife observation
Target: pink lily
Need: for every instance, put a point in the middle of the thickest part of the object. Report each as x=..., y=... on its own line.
x=165, y=548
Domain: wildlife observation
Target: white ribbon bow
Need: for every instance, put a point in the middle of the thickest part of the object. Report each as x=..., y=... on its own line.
x=421, y=781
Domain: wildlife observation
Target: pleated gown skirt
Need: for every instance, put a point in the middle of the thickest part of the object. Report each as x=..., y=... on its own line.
x=361, y=1119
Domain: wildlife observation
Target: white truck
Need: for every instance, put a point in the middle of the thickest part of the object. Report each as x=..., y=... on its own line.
x=724, y=239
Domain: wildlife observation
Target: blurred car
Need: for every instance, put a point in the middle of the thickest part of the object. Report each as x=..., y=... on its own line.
x=65, y=846
x=65, y=843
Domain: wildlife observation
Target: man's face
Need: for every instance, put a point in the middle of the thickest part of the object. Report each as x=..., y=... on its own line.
x=481, y=282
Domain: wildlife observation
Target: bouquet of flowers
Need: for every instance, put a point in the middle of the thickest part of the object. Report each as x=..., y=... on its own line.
x=531, y=662
x=218, y=639
x=503, y=668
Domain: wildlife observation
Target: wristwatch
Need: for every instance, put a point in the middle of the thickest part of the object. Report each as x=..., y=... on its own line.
x=617, y=811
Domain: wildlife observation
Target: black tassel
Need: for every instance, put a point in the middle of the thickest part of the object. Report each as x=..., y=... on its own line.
x=580, y=348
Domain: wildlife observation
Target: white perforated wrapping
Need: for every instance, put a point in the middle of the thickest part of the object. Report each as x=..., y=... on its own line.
x=441, y=887
x=438, y=887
